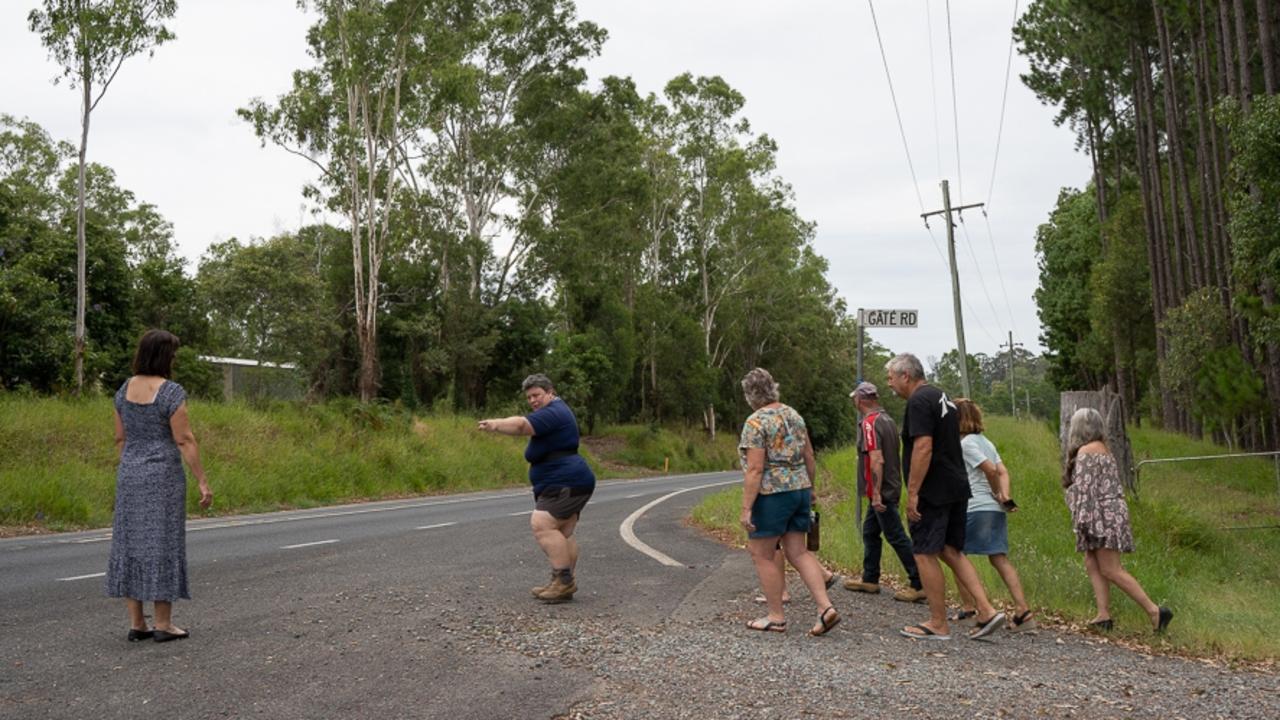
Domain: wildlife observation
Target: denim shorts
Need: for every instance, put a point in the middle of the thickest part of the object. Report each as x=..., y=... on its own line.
x=986, y=533
x=779, y=513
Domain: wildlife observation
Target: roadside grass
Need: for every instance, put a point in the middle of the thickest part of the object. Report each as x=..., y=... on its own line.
x=57, y=457
x=681, y=450
x=1223, y=584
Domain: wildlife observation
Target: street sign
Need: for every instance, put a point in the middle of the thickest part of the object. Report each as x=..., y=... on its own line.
x=888, y=318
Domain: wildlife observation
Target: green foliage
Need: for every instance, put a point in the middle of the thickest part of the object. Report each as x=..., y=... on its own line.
x=1068, y=245
x=57, y=459
x=91, y=39
x=135, y=279
x=1255, y=211
x=1204, y=370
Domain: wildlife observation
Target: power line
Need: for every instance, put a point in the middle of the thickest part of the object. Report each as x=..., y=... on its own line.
x=1000, y=274
x=995, y=160
x=1004, y=100
x=933, y=85
x=977, y=268
x=894, y=96
x=964, y=299
x=955, y=110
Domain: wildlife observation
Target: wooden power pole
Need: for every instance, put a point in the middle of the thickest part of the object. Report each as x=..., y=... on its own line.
x=955, y=279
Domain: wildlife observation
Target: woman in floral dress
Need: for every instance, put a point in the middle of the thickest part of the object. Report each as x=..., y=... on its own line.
x=1100, y=518
x=778, y=471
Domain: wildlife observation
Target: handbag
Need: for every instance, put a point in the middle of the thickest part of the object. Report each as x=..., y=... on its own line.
x=814, y=539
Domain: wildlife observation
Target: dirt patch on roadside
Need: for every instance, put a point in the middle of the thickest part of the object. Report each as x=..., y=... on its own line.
x=607, y=447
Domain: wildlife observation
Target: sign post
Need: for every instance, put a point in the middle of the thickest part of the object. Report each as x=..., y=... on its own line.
x=897, y=318
x=879, y=319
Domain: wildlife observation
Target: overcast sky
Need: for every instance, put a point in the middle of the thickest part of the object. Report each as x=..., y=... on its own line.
x=813, y=80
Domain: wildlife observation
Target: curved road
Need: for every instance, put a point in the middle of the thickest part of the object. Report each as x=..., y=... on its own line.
x=329, y=612
x=421, y=608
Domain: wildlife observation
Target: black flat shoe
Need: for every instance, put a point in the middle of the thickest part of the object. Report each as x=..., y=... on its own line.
x=140, y=635
x=162, y=636
x=1102, y=624
x=1165, y=616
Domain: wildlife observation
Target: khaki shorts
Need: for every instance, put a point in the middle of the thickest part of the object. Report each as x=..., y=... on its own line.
x=563, y=502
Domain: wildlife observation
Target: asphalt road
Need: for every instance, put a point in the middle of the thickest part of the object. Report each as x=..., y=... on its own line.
x=329, y=612
x=421, y=608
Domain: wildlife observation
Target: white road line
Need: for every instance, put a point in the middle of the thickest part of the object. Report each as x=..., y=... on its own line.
x=82, y=577
x=302, y=545
x=632, y=497
x=522, y=512
x=437, y=525
x=93, y=539
x=627, y=529
x=214, y=524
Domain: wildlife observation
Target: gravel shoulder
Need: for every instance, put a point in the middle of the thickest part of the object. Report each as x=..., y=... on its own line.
x=701, y=662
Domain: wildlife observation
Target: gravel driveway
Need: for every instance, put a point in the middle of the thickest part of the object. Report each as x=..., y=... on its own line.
x=701, y=663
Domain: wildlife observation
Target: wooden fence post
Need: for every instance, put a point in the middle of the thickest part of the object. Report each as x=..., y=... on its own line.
x=1111, y=407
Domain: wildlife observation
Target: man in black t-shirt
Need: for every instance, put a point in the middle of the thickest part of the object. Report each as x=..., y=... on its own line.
x=937, y=497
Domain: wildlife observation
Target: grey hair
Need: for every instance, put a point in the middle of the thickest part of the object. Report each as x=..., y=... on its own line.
x=759, y=388
x=537, y=380
x=1086, y=427
x=906, y=364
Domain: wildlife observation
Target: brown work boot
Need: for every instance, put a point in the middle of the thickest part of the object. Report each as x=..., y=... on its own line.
x=859, y=586
x=910, y=595
x=538, y=590
x=558, y=592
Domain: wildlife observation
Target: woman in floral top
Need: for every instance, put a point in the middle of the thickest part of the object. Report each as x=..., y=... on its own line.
x=1100, y=519
x=777, y=460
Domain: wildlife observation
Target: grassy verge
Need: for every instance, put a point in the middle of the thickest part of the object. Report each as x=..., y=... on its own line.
x=1223, y=583
x=57, y=458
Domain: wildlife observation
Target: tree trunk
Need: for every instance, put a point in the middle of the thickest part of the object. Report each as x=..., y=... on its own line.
x=1179, y=195
x=1242, y=50
x=1109, y=406
x=81, y=245
x=1157, y=247
x=1266, y=48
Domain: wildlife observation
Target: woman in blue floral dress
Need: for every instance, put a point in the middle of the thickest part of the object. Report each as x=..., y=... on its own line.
x=148, y=561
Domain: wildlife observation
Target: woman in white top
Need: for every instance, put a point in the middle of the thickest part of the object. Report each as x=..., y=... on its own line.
x=986, y=531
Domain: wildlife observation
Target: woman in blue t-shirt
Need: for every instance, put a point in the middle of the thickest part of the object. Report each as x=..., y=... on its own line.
x=562, y=480
x=986, y=529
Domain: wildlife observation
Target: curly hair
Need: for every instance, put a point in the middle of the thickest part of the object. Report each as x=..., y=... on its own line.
x=759, y=388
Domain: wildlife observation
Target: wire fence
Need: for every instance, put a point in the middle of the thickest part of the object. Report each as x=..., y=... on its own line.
x=1273, y=454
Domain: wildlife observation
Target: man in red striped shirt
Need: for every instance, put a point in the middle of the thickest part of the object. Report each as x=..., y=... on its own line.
x=880, y=481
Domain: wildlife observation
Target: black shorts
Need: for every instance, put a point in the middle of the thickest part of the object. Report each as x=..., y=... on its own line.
x=938, y=525
x=562, y=501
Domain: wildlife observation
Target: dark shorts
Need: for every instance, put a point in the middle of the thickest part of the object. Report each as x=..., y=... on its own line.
x=986, y=533
x=938, y=525
x=561, y=501
x=779, y=513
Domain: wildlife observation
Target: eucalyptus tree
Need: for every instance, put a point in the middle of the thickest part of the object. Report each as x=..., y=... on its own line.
x=720, y=164
x=498, y=60
x=91, y=40
x=347, y=116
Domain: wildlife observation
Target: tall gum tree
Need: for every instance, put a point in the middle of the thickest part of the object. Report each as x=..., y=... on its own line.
x=346, y=116
x=91, y=40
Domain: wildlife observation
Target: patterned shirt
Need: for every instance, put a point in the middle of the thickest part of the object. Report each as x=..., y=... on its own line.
x=781, y=432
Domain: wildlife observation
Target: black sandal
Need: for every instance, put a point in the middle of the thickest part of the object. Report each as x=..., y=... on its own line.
x=1104, y=625
x=1165, y=616
x=825, y=623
